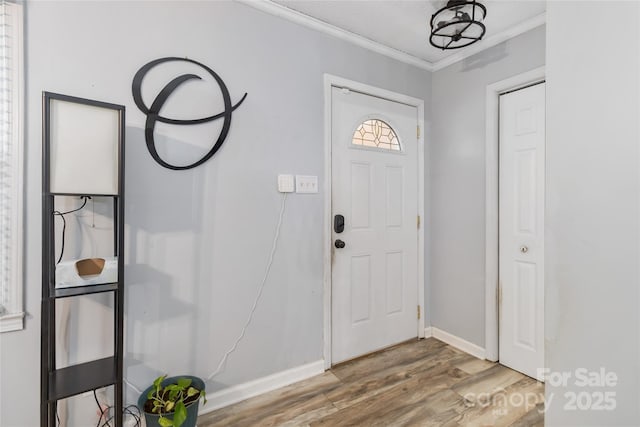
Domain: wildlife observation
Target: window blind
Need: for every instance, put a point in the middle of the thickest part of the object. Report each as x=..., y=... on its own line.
x=10, y=160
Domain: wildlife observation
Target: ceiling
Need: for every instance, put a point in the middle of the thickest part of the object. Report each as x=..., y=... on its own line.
x=403, y=24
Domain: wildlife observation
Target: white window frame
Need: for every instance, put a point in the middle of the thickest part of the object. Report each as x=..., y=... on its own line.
x=12, y=316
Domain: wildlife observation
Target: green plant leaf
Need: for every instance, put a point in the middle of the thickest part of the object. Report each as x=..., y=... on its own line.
x=150, y=395
x=180, y=414
x=184, y=382
x=158, y=381
x=165, y=422
x=203, y=395
x=173, y=394
x=172, y=387
x=192, y=392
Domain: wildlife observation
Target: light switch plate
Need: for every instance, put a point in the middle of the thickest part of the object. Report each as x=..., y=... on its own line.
x=285, y=183
x=306, y=184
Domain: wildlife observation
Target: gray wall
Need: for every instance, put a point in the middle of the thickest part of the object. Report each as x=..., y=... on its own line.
x=197, y=240
x=592, y=231
x=457, y=172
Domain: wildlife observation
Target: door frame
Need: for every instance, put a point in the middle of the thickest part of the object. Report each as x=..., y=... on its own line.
x=331, y=81
x=492, y=192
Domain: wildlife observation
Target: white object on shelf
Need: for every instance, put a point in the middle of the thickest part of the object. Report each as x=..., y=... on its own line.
x=67, y=275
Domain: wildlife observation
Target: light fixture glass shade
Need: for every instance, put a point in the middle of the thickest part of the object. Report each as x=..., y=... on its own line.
x=458, y=24
x=84, y=141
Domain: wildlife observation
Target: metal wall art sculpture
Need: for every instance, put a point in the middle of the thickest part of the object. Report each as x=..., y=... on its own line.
x=153, y=112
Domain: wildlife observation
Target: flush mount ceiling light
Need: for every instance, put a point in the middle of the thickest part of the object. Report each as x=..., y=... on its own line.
x=458, y=24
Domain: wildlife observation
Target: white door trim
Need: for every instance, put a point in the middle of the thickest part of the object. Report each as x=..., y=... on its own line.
x=491, y=192
x=334, y=81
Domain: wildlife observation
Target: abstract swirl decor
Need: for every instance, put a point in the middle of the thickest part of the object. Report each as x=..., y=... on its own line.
x=153, y=112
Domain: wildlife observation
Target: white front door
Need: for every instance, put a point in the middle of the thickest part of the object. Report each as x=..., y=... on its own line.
x=522, y=190
x=374, y=188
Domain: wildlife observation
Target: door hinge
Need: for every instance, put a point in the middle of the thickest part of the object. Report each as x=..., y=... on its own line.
x=418, y=312
x=418, y=222
x=418, y=131
x=499, y=298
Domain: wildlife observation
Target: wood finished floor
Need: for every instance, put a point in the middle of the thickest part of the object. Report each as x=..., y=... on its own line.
x=419, y=383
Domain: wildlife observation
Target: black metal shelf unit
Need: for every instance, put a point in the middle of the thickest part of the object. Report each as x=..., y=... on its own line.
x=61, y=383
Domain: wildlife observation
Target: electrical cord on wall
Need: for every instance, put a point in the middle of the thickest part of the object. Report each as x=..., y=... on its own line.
x=64, y=223
x=260, y=289
x=223, y=361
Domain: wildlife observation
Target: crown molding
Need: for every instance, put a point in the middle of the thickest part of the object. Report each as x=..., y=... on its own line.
x=284, y=12
x=491, y=41
x=299, y=18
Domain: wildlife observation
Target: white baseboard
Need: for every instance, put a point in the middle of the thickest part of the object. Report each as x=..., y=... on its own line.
x=457, y=342
x=240, y=392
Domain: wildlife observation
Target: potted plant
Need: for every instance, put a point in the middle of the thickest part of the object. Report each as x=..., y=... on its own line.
x=172, y=402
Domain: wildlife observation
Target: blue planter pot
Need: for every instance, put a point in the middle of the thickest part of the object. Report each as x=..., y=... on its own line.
x=192, y=408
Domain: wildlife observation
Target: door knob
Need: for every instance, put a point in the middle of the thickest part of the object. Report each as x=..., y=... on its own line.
x=524, y=249
x=339, y=244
